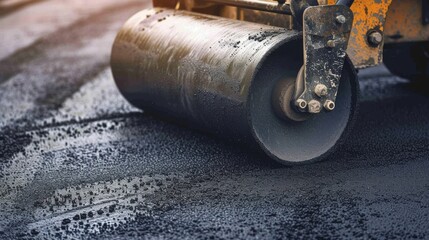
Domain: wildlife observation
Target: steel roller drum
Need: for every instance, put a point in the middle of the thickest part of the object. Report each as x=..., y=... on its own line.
x=219, y=74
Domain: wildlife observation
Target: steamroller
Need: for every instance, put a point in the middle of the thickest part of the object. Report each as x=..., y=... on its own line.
x=277, y=76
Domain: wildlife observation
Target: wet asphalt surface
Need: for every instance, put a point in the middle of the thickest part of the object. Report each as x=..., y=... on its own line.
x=77, y=161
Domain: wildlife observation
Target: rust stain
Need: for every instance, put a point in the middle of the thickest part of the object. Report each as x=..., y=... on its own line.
x=368, y=16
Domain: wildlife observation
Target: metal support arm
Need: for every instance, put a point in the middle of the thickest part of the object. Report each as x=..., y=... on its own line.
x=326, y=32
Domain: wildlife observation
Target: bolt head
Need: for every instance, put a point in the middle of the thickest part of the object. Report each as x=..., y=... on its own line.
x=331, y=43
x=375, y=38
x=314, y=106
x=301, y=104
x=329, y=105
x=340, y=19
x=321, y=90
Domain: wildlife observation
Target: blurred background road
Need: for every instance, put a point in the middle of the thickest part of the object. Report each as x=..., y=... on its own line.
x=77, y=161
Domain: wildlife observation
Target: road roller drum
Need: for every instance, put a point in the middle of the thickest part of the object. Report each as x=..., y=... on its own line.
x=221, y=75
x=279, y=76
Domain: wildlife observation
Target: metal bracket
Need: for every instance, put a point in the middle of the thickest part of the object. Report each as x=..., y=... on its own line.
x=298, y=7
x=326, y=32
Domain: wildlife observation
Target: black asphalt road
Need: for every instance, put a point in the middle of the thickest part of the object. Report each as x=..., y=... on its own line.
x=77, y=161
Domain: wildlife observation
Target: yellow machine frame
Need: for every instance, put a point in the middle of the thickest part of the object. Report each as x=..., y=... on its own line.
x=397, y=20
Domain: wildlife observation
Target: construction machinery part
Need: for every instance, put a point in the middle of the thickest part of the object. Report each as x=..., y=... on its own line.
x=406, y=48
x=262, y=5
x=369, y=16
x=299, y=6
x=406, y=22
x=326, y=32
x=221, y=76
x=347, y=3
x=409, y=60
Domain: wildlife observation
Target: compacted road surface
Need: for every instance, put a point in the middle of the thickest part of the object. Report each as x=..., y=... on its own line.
x=77, y=161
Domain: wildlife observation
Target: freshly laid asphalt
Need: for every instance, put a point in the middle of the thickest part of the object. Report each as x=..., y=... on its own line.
x=77, y=161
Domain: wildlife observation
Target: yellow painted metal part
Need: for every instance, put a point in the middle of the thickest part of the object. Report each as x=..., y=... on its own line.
x=404, y=22
x=369, y=15
x=398, y=20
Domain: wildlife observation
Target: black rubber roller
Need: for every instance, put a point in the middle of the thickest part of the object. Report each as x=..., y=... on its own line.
x=219, y=75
